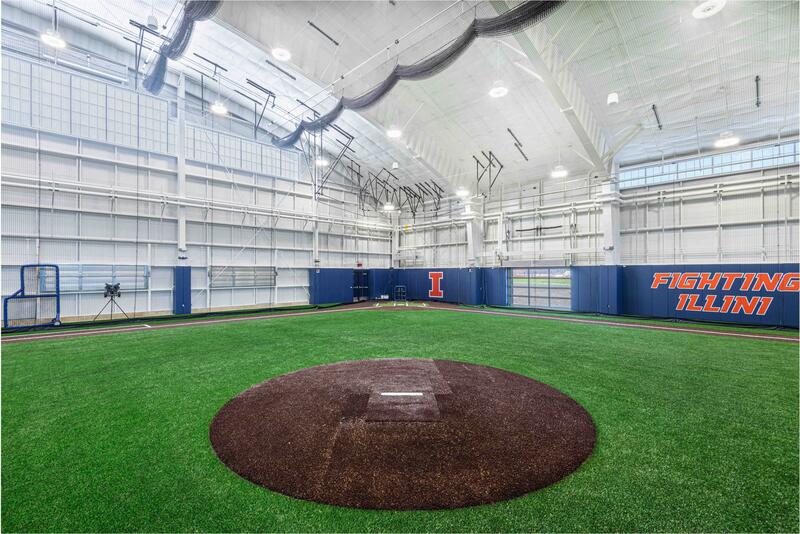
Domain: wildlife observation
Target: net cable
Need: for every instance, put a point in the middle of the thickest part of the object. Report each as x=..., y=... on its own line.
x=512, y=21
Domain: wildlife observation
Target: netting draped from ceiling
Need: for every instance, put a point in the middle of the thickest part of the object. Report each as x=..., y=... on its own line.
x=194, y=11
x=512, y=21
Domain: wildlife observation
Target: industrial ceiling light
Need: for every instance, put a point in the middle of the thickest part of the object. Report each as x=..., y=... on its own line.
x=726, y=139
x=52, y=38
x=498, y=90
x=218, y=108
x=613, y=98
x=462, y=192
x=388, y=207
x=395, y=165
x=281, y=54
x=559, y=171
x=394, y=132
x=321, y=162
x=709, y=8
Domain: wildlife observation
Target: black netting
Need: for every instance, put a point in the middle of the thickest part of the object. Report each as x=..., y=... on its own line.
x=512, y=21
x=31, y=311
x=194, y=11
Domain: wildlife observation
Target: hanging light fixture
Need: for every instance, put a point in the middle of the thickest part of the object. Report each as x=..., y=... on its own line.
x=499, y=89
x=152, y=21
x=219, y=107
x=394, y=132
x=388, y=207
x=726, y=139
x=559, y=171
x=613, y=98
x=462, y=192
x=51, y=37
x=281, y=54
x=321, y=162
x=709, y=8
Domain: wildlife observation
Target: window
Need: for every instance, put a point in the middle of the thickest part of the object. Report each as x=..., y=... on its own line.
x=747, y=159
x=546, y=288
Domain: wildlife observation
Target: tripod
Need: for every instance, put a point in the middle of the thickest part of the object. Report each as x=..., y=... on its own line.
x=111, y=293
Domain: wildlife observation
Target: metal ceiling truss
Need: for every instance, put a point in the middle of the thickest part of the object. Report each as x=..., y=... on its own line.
x=270, y=96
x=385, y=188
x=489, y=170
x=311, y=144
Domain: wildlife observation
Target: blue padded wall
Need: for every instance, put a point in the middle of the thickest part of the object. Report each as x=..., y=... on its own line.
x=639, y=299
x=381, y=282
x=495, y=286
x=330, y=286
x=460, y=286
x=596, y=289
x=627, y=290
x=182, y=290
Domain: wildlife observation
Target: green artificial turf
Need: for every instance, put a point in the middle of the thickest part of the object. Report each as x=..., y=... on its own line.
x=110, y=433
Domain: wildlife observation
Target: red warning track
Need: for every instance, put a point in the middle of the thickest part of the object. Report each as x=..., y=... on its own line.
x=372, y=307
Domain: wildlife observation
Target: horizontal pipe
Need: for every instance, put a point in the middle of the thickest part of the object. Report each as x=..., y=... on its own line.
x=81, y=188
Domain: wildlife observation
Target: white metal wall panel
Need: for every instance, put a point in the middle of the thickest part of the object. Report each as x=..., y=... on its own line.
x=50, y=99
x=88, y=108
x=16, y=91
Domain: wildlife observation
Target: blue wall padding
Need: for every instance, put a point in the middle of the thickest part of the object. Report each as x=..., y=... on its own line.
x=593, y=288
x=460, y=286
x=607, y=289
x=381, y=282
x=472, y=286
x=596, y=289
x=182, y=290
x=330, y=286
x=495, y=286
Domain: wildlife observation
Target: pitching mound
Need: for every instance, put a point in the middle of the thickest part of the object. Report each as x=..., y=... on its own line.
x=402, y=434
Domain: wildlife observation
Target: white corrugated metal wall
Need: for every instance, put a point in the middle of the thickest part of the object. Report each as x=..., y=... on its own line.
x=732, y=218
x=76, y=191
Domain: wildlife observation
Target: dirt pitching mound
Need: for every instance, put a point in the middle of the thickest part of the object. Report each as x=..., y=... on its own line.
x=402, y=434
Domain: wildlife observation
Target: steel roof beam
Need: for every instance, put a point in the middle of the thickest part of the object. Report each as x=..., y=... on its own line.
x=548, y=63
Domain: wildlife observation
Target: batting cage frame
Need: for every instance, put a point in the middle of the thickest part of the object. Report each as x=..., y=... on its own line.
x=37, y=302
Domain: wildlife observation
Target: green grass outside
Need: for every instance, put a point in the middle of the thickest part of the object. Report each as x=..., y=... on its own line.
x=519, y=281
x=110, y=433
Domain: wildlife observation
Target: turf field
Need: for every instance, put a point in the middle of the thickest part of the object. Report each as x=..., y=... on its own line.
x=108, y=433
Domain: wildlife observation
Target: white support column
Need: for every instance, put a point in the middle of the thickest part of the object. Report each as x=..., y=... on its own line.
x=394, y=260
x=180, y=151
x=474, y=228
x=501, y=240
x=609, y=200
x=315, y=240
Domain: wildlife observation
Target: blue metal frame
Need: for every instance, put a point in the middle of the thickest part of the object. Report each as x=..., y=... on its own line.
x=20, y=294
